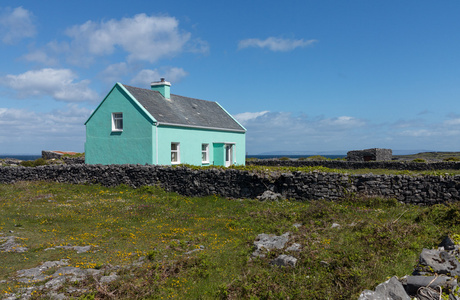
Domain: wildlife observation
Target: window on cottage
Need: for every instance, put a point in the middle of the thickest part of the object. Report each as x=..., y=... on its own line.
x=205, y=153
x=117, y=121
x=175, y=154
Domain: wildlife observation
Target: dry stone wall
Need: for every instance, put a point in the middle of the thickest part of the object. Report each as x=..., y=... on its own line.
x=423, y=190
x=354, y=165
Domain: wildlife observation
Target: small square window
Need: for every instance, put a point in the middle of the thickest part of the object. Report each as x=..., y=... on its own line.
x=117, y=121
x=175, y=153
x=205, y=153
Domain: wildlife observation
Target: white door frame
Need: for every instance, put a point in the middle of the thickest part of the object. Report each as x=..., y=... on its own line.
x=228, y=154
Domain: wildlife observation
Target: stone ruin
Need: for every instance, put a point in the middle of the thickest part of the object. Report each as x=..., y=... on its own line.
x=47, y=154
x=374, y=154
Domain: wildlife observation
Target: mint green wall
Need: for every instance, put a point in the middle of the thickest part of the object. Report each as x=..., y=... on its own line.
x=135, y=144
x=190, y=140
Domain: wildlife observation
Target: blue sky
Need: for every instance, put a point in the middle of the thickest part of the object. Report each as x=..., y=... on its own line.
x=299, y=75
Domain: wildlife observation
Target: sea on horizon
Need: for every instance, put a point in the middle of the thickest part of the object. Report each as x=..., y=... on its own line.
x=21, y=157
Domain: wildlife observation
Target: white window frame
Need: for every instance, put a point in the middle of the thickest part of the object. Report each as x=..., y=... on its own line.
x=177, y=152
x=205, y=152
x=116, y=118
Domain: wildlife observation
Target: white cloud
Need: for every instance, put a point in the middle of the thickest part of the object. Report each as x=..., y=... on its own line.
x=42, y=57
x=271, y=131
x=146, y=38
x=245, y=117
x=198, y=46
x=50, y=54
x=57, y=83
x=276, y=44
x=416, y=132
x=16, y=24
x=30, y=132
x=115, y=72
x=453, y=122
x=145, y=77
x=342, y=122
x=287, y=131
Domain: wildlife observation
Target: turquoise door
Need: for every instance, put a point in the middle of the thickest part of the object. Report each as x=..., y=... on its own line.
x=218, y=152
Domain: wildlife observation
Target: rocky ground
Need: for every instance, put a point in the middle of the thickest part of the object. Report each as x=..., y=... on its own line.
x=52, y=276
x=12, y=162
x=434, y=277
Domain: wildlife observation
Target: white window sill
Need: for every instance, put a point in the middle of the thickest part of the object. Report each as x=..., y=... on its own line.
x=115, y=130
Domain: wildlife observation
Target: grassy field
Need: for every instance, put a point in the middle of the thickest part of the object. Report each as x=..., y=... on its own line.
x=283, y=169
x=430, y=156
x=377, y=238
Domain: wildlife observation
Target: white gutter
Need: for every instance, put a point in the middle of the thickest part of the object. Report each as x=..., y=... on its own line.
x=203, y=127
x=156, y=141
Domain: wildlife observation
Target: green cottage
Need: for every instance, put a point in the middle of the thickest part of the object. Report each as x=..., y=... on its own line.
x=152, y=126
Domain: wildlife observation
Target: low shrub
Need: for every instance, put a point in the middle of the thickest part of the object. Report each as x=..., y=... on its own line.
x=251, y=159
x=452, y=158
x=441, y=214
x=419, y=160
x=317, y=157
x=74, y=155
x=34, y=163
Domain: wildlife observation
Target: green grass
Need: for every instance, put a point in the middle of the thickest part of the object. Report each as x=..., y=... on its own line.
x=430, y=156
x=378, y=238
x=284, y=169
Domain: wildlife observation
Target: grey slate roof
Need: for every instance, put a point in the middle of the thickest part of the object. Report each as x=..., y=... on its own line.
x=184, y=111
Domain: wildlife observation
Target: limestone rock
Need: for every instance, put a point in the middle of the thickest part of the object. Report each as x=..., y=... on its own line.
x=413, y=283
x=9, y=244
x=201, y=248
x=79, y=249
x=294, y=247
x=106, y=279
x=36, y=274
x=447, y=243
x=284, y=261
x=270, y=196
x=440, y=262
x=391, y=289
x=267, y=242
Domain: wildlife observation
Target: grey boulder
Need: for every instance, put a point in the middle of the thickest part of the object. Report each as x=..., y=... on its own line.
x=439, y=262
x=284, y=261
x=413, y=283
x=267, y=242
x=391, y=289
